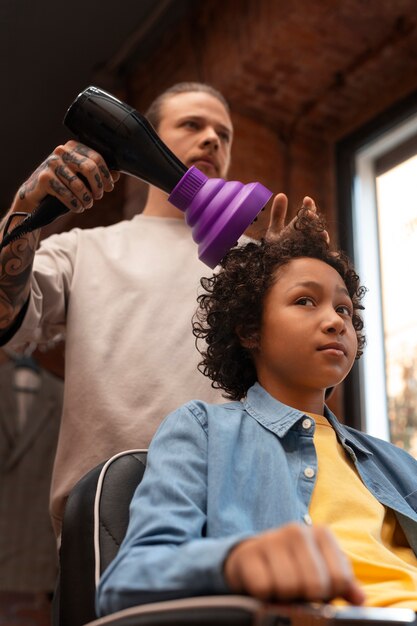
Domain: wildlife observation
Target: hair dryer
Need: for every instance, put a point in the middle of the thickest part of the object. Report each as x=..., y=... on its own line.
x=217, y=211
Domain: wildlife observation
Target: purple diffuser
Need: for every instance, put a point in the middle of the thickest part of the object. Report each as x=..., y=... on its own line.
x=217, y=211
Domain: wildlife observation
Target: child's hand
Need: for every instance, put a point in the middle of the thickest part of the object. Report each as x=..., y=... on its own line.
x=278, y=214
x=294, y=562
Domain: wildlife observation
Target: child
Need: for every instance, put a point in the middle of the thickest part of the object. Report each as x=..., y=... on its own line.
x=266, y=494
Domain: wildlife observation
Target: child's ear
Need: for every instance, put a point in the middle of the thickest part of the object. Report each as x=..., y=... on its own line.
x=248, y=339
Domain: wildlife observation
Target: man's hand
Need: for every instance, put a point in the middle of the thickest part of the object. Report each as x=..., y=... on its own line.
x=279, y=208
x=58, y=176
x=294, y=562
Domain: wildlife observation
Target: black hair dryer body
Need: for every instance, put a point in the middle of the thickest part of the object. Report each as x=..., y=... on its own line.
x=217, y=211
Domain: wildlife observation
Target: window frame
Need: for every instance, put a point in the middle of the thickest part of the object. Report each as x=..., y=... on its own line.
x=380, y=144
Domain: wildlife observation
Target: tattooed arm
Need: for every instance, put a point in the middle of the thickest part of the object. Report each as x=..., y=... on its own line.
x=56, y=176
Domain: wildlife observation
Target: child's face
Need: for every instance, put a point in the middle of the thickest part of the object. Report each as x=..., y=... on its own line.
x=307, y=341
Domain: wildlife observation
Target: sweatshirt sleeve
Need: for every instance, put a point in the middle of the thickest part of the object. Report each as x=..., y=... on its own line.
x=165, y=553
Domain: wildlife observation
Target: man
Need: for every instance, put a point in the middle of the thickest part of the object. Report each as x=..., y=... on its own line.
x=124, y=294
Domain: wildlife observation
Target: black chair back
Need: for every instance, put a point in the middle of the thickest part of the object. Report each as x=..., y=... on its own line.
x=95, y=522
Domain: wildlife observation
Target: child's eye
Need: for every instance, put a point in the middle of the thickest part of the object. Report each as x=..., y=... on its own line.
x=305, y=301
x=343, y=309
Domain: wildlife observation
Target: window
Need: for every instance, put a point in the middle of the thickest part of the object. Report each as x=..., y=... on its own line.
x=377, y=170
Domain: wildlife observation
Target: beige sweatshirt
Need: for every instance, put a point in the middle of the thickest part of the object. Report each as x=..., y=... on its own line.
x=124, y=295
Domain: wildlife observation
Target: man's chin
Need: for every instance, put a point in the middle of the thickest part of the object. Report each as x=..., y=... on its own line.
x=207, y=168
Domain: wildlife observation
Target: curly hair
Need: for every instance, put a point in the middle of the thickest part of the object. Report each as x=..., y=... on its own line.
x=232, y=306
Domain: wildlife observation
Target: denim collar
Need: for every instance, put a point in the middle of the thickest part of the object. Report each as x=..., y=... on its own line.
x=280, y=418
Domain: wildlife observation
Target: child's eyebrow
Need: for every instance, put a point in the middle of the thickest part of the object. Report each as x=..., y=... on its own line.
x=312, y=284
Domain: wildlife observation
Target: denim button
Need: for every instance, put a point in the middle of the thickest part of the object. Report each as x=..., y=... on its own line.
x=309, y=472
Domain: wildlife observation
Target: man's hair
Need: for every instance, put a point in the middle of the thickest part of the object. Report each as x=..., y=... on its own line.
x=154, y=112
x=232, y=306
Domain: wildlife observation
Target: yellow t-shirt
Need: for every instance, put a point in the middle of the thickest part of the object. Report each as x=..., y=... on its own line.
x=368, y=532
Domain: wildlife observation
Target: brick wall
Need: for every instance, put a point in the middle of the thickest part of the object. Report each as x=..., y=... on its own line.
x=299, y=76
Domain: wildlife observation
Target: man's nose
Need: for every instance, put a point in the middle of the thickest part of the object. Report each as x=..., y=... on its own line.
x=210, y=138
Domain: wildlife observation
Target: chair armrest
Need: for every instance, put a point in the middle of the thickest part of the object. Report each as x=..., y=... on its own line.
x=244, y=611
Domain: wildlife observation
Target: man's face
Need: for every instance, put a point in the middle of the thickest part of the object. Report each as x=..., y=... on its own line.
x=307, y=341
x=198, y=130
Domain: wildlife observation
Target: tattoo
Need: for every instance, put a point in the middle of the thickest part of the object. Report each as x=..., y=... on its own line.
x=83, y=150
x=98, y=181
x=58, y=187
x=16, y=261
x=104, y=171
x=86, y=197
x=65, y=173
x=32, y=181
x=61, y=190
x=71, y=157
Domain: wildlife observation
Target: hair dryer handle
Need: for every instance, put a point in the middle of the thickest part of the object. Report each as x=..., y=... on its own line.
x=49, y=209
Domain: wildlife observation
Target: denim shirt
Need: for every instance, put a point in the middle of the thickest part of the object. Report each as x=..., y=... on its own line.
x=217, y=474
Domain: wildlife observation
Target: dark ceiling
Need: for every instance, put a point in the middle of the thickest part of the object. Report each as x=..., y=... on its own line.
x=49, y=52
